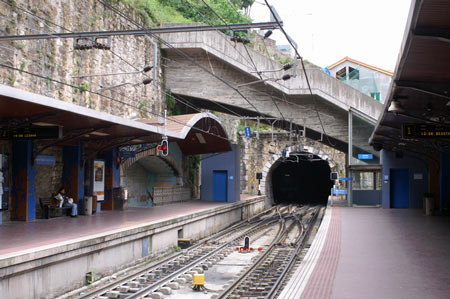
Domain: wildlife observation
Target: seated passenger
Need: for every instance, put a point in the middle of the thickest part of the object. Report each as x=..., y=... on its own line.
x=64, y=201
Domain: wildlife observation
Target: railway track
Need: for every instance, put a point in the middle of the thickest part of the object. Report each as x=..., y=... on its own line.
x=264, y=275
x=170, y=272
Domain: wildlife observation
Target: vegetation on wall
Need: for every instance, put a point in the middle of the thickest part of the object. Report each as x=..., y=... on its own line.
x=194, y=165
x=160, y=11
x=171, y=104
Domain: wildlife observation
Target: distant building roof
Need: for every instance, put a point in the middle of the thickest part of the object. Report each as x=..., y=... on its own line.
x=346, y=58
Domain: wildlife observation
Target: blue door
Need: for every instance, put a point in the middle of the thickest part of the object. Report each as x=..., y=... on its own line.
x=399, y=188
x=220, y=185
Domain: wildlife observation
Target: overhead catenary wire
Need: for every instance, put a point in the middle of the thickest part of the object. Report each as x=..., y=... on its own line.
x=90, y=91
x=205, y=19
x=112, y=99
x=185, y=56
x=144, y=74
x=246, y=50
x=115, y=54
x=130, y=65
x=298, y=56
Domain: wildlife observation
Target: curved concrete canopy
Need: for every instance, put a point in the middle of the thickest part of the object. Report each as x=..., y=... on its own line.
x=198, y=133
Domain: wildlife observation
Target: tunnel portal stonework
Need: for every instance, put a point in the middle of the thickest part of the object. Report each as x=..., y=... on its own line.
x=265, y=154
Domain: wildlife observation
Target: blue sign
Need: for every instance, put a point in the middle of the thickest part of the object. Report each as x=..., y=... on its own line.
x=346, y=179
x=365, y=156
x=248, y=133
x=45, y=160
x=127, y=154
x=340, y=191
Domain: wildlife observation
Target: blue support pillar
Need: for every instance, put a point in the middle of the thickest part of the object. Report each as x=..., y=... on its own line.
x=73, y=174
x=112, y=177
x=24, y=188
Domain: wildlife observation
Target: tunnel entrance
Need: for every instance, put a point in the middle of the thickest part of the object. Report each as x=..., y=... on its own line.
x=305, y=180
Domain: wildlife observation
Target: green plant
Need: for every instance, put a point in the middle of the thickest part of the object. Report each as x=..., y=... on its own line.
x=143, y=108
x=171, y=104
x=83, y=87
x=23, y=65
x=177, y=249
x=194, y=165
x=11, y=79
x=19, y=46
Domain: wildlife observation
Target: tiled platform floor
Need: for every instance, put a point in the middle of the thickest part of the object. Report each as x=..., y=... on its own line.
x=392, y=253
x=17, y=236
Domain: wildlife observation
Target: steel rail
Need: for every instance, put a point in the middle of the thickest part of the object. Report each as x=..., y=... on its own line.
x=103, y=289
x=141, y=32
x=294, y=256
x=281, y=232
x=153, y=287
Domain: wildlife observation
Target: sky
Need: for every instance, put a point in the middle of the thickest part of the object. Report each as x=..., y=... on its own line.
x=326, y=31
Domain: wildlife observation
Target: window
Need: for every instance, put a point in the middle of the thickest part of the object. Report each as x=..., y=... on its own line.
x=341, y=74
x=375, y=95
x=366, y=180
x=353, y=74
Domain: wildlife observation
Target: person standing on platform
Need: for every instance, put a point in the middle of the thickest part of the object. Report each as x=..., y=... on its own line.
x=64, y=201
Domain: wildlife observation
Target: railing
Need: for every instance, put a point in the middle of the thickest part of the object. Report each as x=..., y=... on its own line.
x=165, y=195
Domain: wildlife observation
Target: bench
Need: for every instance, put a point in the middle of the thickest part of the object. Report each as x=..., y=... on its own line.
x=49, y=204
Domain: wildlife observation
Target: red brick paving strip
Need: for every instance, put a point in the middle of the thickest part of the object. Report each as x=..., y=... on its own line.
x=320, y=283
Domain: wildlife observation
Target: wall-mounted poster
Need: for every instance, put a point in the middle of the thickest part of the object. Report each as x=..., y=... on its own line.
x=99, y=179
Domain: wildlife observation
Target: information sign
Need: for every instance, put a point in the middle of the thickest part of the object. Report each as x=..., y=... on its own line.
x=340, y=191
x=345, y=179
x=365, y=156
x=248, y=132
x=425, y=131
x=45, y=160
x=51, y=132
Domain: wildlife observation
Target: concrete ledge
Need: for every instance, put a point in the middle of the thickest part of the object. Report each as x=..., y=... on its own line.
x=106, y=252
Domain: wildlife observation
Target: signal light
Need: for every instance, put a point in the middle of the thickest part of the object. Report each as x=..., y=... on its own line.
x=164, y=147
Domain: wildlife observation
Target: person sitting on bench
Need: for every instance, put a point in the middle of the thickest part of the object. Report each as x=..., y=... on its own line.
x=64, y=201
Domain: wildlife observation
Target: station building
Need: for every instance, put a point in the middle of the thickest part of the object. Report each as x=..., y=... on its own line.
x=49, y=143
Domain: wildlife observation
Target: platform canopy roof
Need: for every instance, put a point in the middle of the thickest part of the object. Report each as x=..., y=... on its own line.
x=102, y=131
x=200, y=132
x=421, y=86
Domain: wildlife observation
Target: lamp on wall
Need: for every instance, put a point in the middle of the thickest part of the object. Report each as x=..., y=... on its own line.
x=396, y=107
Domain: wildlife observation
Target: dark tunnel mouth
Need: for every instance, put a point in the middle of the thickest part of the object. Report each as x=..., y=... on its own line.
x=302, y=181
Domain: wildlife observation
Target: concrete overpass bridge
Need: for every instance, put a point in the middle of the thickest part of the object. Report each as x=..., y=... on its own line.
x=212, y=72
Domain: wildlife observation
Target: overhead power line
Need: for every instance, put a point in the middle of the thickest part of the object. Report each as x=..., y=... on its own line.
x=298, y=56
x=183, y=55
x=97, y=93
x=244, y=46
x=139, y=32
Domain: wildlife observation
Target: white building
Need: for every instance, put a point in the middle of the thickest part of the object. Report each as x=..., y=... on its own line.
x=368, y=79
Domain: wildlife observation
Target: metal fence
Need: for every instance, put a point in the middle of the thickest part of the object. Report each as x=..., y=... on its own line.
x=165, y=195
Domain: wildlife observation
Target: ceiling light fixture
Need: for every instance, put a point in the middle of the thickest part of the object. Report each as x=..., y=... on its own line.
x=396, y=107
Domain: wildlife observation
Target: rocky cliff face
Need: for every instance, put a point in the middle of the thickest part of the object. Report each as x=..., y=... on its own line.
x=50, y=66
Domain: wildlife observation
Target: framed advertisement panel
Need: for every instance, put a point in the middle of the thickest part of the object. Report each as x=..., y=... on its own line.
x=99, y=179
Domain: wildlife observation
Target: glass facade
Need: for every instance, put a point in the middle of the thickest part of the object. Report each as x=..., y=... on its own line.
x=361, y=153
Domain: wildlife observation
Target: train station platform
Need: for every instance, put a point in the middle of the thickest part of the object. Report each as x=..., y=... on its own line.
x=63, y=249
x=375, y=253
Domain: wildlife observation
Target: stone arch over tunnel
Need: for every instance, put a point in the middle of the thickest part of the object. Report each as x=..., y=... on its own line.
x=147, y=170
x=312, y=177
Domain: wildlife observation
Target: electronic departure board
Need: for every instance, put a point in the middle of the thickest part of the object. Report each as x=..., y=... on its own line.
x=411, y=131
x=51, y=132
